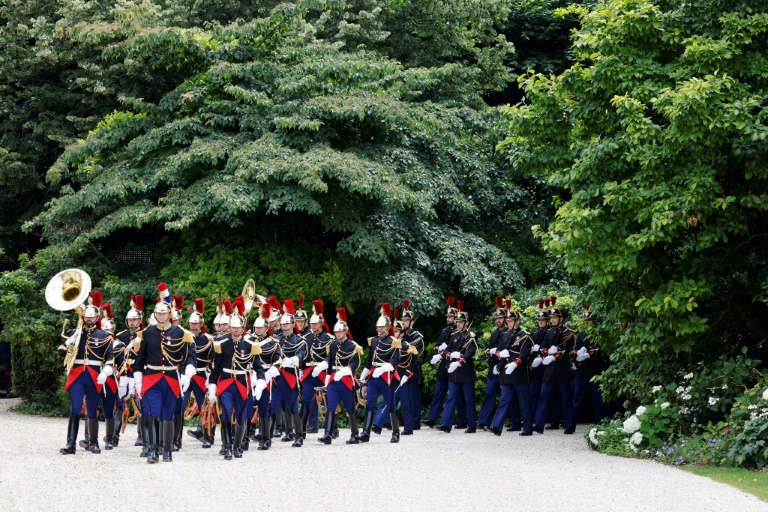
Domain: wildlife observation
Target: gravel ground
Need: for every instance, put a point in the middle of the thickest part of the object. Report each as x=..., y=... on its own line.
x=427, y=471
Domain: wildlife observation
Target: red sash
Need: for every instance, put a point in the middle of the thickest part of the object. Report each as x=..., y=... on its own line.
x=77, y=371
x=199, y=380
x=290, y=378
x=150, y=380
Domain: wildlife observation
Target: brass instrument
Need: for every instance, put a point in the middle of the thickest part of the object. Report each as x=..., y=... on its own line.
x=66, y=291
x=251, y=297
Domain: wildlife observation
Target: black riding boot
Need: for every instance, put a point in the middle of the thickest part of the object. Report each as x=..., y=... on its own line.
x=226, y=439
x=353, y=439
x=208, y=439
x=335, y=426
x=72, y=428
x=246, y=443
x=237, y=448
x=299, y=439
x=93, y=438
x=395, y=428
x=327, y=437
x=178, y=428
x=145, y=425
x=109, y=426
x=304, y=420
x=272, y=426
x=118, y=425
x=86, y=441
x=288, y=428
x=152, y=439
x=198, y=433
x=169, y=432
x=264, y=425
x=367, y=423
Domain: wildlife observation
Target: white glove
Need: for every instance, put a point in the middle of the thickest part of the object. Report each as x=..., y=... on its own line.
x=492, y=351
x=290, y=362
x=259, y=388
x=72, y=339
x=504, y=353
x=435, y=359
x=582, y=354
x=552, y=350
x=364, y=375
x=122, y=391
x=123, y=381
x=452, y=367
x=185, y=381
x=549, y=360
x=344, y=372
x=403, y=380
x=536, y=362
x=273, y=372
x=455, y=355
x=106, y=372
x=131, y=386
x=573, y=366
x=212, y=393
x=510, y=367
x=495, y=370
x=137, y=377
x=381, y=369
x=319, y=368
x=442, y=347
x=535, y=348
x=207, y=378
x=327, y=380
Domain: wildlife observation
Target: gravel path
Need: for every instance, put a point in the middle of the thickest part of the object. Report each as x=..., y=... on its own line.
x=428, y=471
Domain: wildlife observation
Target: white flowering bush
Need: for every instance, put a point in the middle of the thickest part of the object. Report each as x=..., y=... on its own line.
x=749, y=425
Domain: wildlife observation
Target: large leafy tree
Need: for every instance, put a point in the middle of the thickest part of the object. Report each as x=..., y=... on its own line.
x=657, y=135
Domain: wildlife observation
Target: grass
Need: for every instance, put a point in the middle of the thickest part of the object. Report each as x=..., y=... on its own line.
x=752, y=482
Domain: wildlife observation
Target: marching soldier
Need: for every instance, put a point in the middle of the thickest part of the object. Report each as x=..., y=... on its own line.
x=269, y=360
x=204, y=356
x=93, y=363
x=441, y=377
x=110, y=393
x=557, y=371
x=276, y=313
x=415, y=343
x=536, y=369
x=318, y=343
x=286, y=395
x=586, y=365
x=133, y=320
x=492, y=385
x=177, y=306
x=343, y=359
x=229, y=382
x=162, y=349
x=512, y=370
x=383, y=358
x=460, y=353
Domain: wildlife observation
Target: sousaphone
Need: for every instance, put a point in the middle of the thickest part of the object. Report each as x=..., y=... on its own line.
x=68, y=290
x=251, y=297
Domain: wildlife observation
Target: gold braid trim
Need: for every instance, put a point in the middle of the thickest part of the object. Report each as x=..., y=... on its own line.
x=137, y=343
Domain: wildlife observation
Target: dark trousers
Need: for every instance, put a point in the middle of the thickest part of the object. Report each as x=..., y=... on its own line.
x=514, y=403
x=84, y=388
x=455, y=390
x=441, y=391
x=583, y=388
x=547, y=395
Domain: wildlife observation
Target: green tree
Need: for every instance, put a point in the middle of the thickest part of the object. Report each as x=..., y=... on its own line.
x=656, y=135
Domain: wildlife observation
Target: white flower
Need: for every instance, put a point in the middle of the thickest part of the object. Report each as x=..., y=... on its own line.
x=752, y=406
x=665, y=405
x=725, y=386
x=765, y=394
x=680, y=390
x=683, y=410
x=713, y=400
x=688, y=377
x=593, y=436
x=631, y=424
x=640, y=410
x=601, y=433
x=636, y=438
x=656, y=389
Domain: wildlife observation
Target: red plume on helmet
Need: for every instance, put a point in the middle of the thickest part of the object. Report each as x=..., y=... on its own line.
x=228, y=307
x=266, y=310
x=386, y=309
x=317, y=308
x=240, y=305
x=139, y=300
x=199, y=306
x=341, y=314
x=546, y=303
x=541, y=303
x=301, y=302
x=553, y=300
x=289, y=307
x=509, y=305
x=108, y=310
x=499, y=302
x=97, y=298
x=459, y=304
x=178, y=302
x=450, y=301
x=406, y=303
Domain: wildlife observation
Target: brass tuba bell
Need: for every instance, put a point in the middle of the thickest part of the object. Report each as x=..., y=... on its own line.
x=251, y=297
x=68, y=289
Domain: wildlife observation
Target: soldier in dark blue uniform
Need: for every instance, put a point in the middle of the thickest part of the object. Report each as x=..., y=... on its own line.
x=129, y=337
x=162, y=349
x=318, y=343
x=557, y=371
x=110, y=392
x=492, y=385
x=269, y=360
x=199, y=386
x=90, y=352
x=413, y=344
x=276, y=314
x=536, y=369
x=383, y=359
x=230, y=380
x=285, y=396
x=441, y=377
x=587, y=364
x=512, y=370
x=343, y=359
x=460, y=354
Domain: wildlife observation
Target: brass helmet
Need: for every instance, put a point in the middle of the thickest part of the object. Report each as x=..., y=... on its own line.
x=501, y=312
x=137, y=305
x=236, y=320
x=226, y=313
x=300, y=313
x=555, y=311
x=163, y=305
x=107, y=322
x=197, y=311
x=407, y=313
x=543, y=312
x=461, y=316
x=289, y=315
x=386, y=312
x=451, y=309
x=94, y=305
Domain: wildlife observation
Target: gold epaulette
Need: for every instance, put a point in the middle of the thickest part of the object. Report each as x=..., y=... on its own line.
x=369, y=341
x=137, y=341
x=413, y=350
x=255, y=349
x=328, y=349
x=358, y=349
x=208, y=337
x=396, y=343
x=188, y=337
x=217, y=347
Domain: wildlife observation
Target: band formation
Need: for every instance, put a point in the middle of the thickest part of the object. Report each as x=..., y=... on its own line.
x=277, y=378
